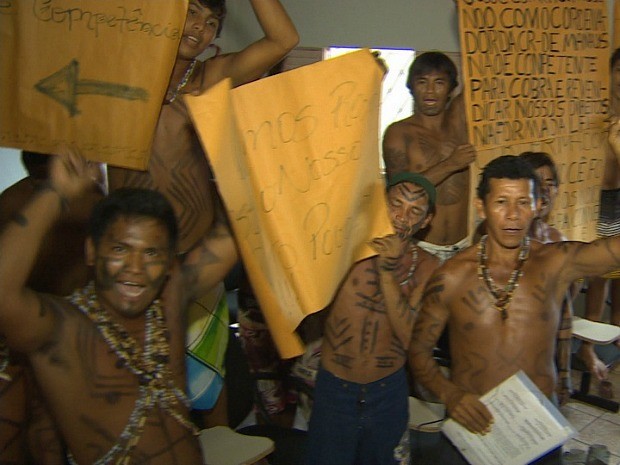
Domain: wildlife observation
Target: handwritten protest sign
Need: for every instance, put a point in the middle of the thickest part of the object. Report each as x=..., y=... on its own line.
x=537, y=79
x=616, y=31
x=91, y=73
x=296, y=161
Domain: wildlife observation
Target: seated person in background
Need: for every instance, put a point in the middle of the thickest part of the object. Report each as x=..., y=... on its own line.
x=433, y=142
x=502, y=301
x=27, y=432
x=109, y=357
x=360, y=410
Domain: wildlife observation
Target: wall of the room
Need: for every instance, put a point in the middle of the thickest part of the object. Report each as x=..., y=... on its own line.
x=418, y=24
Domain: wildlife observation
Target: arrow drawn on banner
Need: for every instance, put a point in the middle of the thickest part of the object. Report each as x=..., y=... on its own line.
x=64, y=86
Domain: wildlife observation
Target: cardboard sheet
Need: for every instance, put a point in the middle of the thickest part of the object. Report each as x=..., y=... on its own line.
x=91, y=73
x=536, y=78
x=296, y=161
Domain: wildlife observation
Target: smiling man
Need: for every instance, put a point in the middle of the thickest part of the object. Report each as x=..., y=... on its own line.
x=109, y=358
x=433, y=142
x=501, y=300
x=177, y=165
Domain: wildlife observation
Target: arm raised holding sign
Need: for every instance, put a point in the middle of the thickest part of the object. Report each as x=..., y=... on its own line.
x=177, y=165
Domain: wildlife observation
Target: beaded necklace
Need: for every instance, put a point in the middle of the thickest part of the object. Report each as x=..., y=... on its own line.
x=503, y=297
x=150, y=365
x=414, y=263
x=183, y=83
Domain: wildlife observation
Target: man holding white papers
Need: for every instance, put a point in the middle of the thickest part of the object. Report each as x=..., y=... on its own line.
x=501, y=299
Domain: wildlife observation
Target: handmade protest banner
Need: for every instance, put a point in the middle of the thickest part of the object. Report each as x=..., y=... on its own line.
x=92, y=74
x=296, y=160
x=616, y=30
x=536, y=78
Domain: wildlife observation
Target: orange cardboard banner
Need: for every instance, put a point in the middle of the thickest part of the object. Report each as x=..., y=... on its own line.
x=91, y=73
x=296, y=160
x=536, y=78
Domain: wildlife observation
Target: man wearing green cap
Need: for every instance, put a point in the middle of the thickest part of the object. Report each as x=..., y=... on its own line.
x=360, y=409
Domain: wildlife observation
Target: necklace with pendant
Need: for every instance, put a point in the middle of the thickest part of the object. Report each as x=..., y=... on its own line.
x=414, y=263
x=503, y=297
x=183, y=83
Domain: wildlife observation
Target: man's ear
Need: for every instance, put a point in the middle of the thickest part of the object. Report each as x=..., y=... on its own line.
x=428, y=219
x=480, y=208
x=89, y=251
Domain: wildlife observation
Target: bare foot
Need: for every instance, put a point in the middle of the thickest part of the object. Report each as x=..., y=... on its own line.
x=595, y=365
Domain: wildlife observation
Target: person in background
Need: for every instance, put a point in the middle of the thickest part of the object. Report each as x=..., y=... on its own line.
x=548, y=183
x=433, y=142
x=601, y=289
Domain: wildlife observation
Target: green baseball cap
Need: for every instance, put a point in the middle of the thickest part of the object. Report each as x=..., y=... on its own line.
x=414, y=178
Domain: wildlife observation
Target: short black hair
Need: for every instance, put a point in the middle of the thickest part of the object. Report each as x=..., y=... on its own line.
x=35, y=163
x=218, y=7
x=540, y=159
x=614, y=58
x=429, y=62
x=506, y=167
x=129, y=202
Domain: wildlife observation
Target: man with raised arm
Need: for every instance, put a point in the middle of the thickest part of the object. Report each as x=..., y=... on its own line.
x=502, y=300
x=360, y=412
x=177, y=165
x=433, y=142
x=109, y=358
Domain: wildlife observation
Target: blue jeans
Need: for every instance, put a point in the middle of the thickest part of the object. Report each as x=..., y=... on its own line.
x=357, y=423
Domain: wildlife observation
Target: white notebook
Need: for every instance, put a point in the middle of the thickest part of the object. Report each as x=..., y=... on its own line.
x=526, y=426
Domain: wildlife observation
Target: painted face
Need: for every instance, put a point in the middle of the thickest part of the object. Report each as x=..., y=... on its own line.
x=201, y=26
x=431, y=93
x=615, y=80
x=509, y=209
x=131, y=263
x=548, y=190
x=408, y=209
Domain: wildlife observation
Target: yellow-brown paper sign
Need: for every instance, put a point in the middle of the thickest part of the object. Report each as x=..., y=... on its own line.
x=91, y=73
x=536, y=78
x=296, y=161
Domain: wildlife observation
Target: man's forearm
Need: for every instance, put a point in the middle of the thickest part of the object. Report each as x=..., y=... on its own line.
x=426, y=371
x=22, y=237
x=400, y=315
